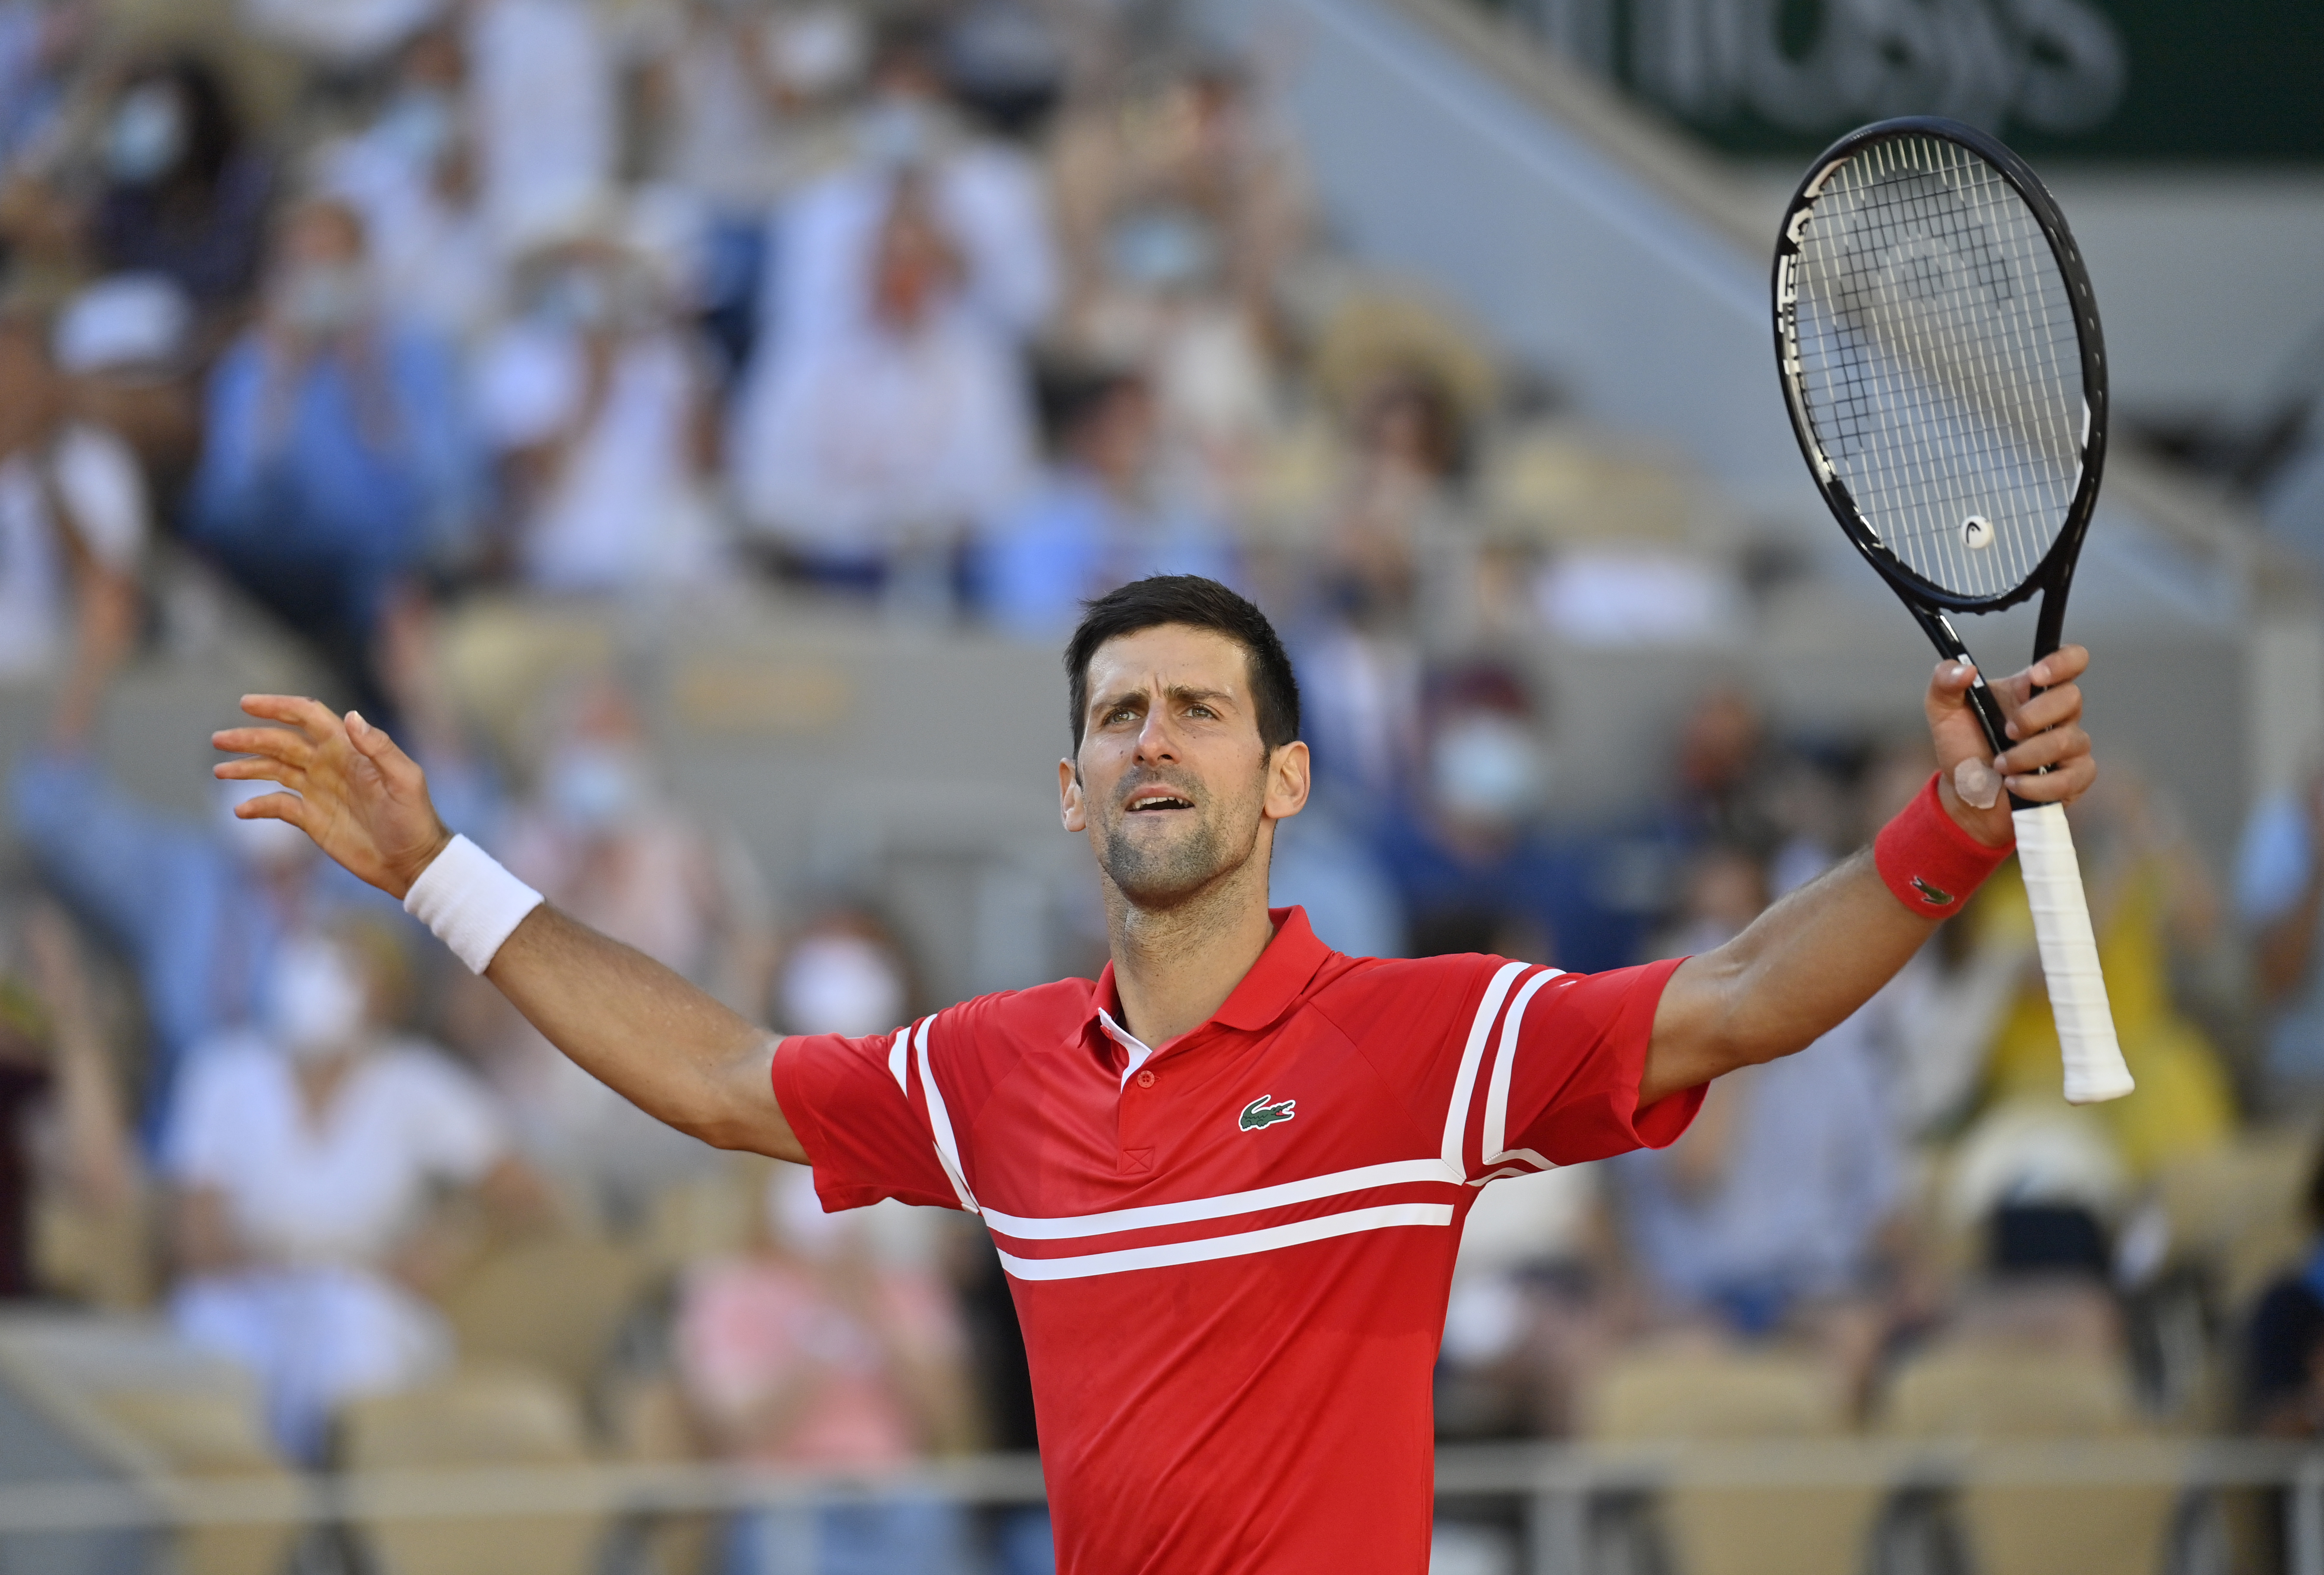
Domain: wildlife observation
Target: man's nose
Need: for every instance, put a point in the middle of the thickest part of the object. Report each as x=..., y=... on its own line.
x=1155, y=740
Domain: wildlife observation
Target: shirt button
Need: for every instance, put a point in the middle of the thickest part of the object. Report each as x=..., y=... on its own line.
x=1145, y=1079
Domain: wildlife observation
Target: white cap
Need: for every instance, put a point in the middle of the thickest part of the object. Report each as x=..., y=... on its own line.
x=128, y=320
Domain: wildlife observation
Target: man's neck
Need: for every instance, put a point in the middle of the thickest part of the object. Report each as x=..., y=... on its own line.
x=1174, y=967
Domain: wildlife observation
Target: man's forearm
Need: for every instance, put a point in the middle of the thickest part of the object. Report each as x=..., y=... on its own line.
x=667, y=1047
x=1799, y=970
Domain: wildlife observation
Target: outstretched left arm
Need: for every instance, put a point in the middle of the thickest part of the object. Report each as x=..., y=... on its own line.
x=1822, y=952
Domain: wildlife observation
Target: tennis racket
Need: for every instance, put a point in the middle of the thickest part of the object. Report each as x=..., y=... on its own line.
x=1940, y=358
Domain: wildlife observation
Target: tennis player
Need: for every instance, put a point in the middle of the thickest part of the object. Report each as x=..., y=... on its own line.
x=1227, y=1178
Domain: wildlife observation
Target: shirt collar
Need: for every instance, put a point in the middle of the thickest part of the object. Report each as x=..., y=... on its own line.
x=1265, y=993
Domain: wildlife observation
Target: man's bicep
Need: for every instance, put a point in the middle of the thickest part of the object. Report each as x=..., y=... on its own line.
x=1684, y=1050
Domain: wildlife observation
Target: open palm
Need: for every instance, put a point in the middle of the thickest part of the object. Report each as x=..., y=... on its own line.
x=363, y=800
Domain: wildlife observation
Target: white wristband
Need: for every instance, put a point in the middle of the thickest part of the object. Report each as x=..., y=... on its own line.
x=470, y=901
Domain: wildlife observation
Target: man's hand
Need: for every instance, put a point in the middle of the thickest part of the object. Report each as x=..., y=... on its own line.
x=363, y=800
x=2045, y=730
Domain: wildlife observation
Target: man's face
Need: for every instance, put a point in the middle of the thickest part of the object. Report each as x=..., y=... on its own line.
x=1172, y=784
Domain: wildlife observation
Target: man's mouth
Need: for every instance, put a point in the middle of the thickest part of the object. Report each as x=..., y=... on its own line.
x=1154, y=800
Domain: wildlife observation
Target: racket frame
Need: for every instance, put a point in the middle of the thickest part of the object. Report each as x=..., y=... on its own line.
x=1929, y=602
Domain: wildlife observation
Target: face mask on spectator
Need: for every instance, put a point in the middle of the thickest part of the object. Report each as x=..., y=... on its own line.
x=1162, y=248
x=323, y=298
x=266, y=845
x=841, y=984
x=582, y=298
x=315, y=1000
x=895, y=131
x=1487, y=766
x=594, y=787
x=147, y=135
x=419, y=123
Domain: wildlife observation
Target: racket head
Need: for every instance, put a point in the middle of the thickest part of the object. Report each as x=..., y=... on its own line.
x=1942, y=364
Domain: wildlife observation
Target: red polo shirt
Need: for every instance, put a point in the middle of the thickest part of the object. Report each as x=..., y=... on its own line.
x=1230, y=1254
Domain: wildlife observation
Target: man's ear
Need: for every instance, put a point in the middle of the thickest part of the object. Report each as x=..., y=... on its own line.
x=1070, y=808
x=1287, y=781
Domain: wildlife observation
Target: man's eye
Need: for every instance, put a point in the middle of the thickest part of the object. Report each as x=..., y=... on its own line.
x=1203, y=710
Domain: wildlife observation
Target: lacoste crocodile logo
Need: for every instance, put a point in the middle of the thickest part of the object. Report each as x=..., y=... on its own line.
x=1935, y=896
x=1259, y=1113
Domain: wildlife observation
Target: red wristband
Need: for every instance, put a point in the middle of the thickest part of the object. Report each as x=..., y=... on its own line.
x=1928, y=861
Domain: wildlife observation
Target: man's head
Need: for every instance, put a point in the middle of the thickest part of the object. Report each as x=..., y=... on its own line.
x=1186, y=717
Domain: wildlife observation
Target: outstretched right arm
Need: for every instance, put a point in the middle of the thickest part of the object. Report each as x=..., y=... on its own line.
x=667, y=1047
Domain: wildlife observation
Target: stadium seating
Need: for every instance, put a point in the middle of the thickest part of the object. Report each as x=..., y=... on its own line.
x=204, y=1436
x=1709, y=1395
x=555, y=1303
x=504, y=1415
x=1988, y=1393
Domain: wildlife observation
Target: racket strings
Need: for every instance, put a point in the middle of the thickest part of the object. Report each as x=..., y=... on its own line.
x=1940, y=360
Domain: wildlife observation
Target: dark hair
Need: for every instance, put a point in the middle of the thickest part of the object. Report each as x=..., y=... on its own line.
x=1198, y=603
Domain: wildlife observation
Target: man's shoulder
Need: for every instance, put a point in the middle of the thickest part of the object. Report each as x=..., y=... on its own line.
x=1393, y=996
x=1038, y=1011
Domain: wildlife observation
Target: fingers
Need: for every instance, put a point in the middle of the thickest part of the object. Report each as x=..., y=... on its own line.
x=258, y=769
x=401, y=772
x=2061, y=665
x=2052, y=708
x=2051, y=749
x=317, y=720
x=276, y=743
x=287, y=807
x=2068, y=782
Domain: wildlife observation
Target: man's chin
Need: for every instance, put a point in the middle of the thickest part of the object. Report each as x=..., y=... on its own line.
x=1155, y=869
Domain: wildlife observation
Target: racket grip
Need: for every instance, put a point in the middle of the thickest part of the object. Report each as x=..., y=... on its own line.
x=2095, y=1070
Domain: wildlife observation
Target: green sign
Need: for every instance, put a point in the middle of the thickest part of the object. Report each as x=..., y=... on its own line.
x=2109, y=79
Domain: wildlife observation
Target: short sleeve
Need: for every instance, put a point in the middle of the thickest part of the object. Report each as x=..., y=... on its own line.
x=99, y=478
x=451, y=1119
x=198, y=1145
x=2272, y=863
x=864, y=1111
x=1569, y=1091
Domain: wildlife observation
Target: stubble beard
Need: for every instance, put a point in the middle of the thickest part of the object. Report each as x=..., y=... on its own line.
x=1162, y=873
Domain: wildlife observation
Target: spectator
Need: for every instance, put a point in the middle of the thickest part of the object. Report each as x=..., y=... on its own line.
x=874, y=446
x=124, y=346
x=985, y=196
x=185, y=193
x=1467, y=849
x=2280, y=894
x=1771, y=1212
x=812, y=1351
x=2039, y=1182
x=1531, y=1313
x=2282, y=1381
x=302, y=1155
x=62, y=1137
x=342, y=38
x=2152, y=907
x=601, y=838
x=844, y=974
x=73, y=505
x=1100, y=517
x=197, y=909
x=1409, y=385
x=41, y=44
x=1180, y=210
x=602, y=403
x=411, y=174
x=338, y=456
x=543, y=101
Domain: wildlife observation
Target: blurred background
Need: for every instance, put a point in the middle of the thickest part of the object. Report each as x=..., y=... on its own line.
x=690, y=426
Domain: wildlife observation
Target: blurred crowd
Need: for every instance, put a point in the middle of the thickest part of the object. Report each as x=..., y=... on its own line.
x=340, y=314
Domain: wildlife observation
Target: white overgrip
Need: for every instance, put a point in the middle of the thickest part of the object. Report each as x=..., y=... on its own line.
x=2070, y=956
